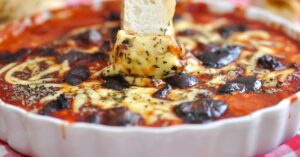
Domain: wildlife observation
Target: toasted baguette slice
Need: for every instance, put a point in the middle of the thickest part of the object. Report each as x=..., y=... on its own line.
x=11, y=10
x=288, y=9
x=148, y=17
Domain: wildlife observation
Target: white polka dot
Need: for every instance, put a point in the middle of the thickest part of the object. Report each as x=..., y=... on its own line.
x=3, y=151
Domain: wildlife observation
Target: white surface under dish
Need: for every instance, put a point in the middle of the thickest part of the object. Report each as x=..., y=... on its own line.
x=246, y=136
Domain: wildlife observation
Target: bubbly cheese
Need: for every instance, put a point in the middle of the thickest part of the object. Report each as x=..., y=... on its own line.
x=36, y=75
x=145, y=56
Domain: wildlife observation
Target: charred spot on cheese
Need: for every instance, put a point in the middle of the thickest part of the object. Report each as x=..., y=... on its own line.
x=115, y=82
x=7, y=57
x=61, y=103
x=47, y=52
x=226, y=31
x=88, y=37
x=219, y=56
x=200, y=111
x=182, y=81
x=121, y=116
x=251, y=83
x=77, y=75
x=231, y=88
x=270, y=63
x=127, y=43
x=163, y=92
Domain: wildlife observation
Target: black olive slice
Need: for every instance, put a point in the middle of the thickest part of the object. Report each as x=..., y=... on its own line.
x=163, y=92
x=121, y=116
x=182, y=81
x=61, y=103
x=47, y=52
x=99, y=56
x=200, y=111
x=270, y=63
x=6, y=57
x=13, y=57
x=88, y=37
x=115, y=83
x=232, y=87
x=91, y=114
x=113, y=16
x=177, y=17
x=72, y=57
x=75, y=57
x=226, y=31
x=188, y=32
x=113, y=33
x=251, y=83
x=77, y=75
x=219, y=56
x=241, y=85
x=93, y=118
x=106, y=46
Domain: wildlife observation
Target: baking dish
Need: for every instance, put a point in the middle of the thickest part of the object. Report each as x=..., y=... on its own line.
x=245, y=136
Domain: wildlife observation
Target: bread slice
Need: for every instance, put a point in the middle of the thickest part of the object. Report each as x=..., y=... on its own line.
x=11, y=10
x=148, y=17
x=288, y=9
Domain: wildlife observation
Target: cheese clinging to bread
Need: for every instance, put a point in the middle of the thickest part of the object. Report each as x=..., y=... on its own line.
x=145, y=56
x=148, y=17
x=146, y=47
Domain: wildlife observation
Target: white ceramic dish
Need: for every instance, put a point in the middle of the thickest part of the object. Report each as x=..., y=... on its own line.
x=246, y=136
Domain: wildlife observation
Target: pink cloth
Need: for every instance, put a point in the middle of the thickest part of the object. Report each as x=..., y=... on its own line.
x=290, y=148
x=76, y=2
x=241, y=2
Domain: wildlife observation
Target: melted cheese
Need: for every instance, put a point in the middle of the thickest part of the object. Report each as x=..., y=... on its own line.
x=145, y=56
x=137, y=99
x=37, y=76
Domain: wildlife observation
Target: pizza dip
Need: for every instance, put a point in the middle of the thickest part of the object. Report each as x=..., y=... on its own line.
x=83, y=65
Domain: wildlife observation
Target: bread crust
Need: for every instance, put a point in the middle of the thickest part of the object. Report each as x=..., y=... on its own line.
x=11, y=10
x=288, y=9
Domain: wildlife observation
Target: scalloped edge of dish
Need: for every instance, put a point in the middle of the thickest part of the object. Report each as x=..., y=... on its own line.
x=24, y=130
